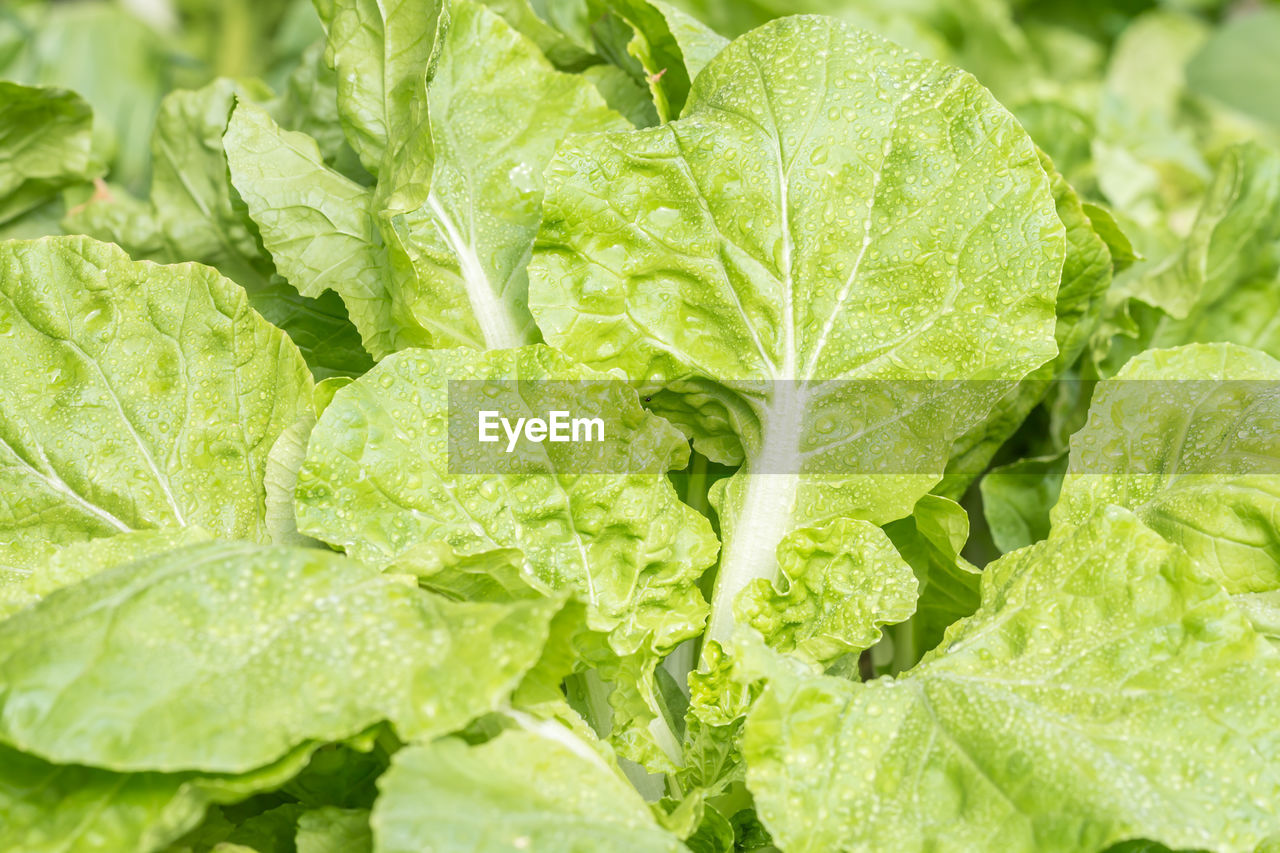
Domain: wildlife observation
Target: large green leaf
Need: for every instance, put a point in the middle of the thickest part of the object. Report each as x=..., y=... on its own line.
x=385, y=479
x=1189, y=440
x=46, y=141
x=165, y=663
x=1104, y=691
x=379, y=481
x=537, y=789
x=137, y=396
x=830, y=208
x=1086, y=276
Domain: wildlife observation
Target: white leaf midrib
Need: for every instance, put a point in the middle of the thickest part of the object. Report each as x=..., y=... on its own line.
x=492, y=315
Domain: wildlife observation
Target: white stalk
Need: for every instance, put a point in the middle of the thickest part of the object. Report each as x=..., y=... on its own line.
x=764, y=514
x=492, y=314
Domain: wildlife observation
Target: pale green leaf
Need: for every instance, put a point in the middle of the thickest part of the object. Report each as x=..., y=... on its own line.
x=165, y=663
x=317, y=224
x=138, y=396
x=829, y=208
x=380, y=52
x=195, y=205
x=463, y=193
x=381, y=481
x=1235, y=238
x=539, y=789
x=1104, y=691
x=842, y=582
x=378, y=481
x=46, y=141
x=650, y=31
x=699, y=44
x=1188, y=439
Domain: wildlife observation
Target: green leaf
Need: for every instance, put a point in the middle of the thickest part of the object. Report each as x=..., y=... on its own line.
x=281, y=476
x=196, y=215
x=317, y=224
x=333, y=830
x=1262, y=609
x=309, y=104
x=46, y=141
x=1017, y=499
x=382, y=480
x=930, y=540
x=319, y=326
x=138, y=397
x=559, y=29
x=1188, y=439
x=1086, y=276
x=49, y=808
x=80, y=560
x=379, y=481
x=698, y=43
x=1237, y=65
x=195, y=205
x=270, y=831
x=1105, y=690
x=1148, y=165
x=113, y=60
x=843, y=582
x=829, y=208
x=380, y=52
x=623, y=94
x=659, y=38
x=1103, y=220
x=297, y=644
x=1229, y=268
x=463, y=193
x=1235, y=238
x=538, y=789
x=343, y=775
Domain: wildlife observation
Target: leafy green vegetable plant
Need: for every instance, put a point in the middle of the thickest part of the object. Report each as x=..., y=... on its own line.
x=932, y=352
